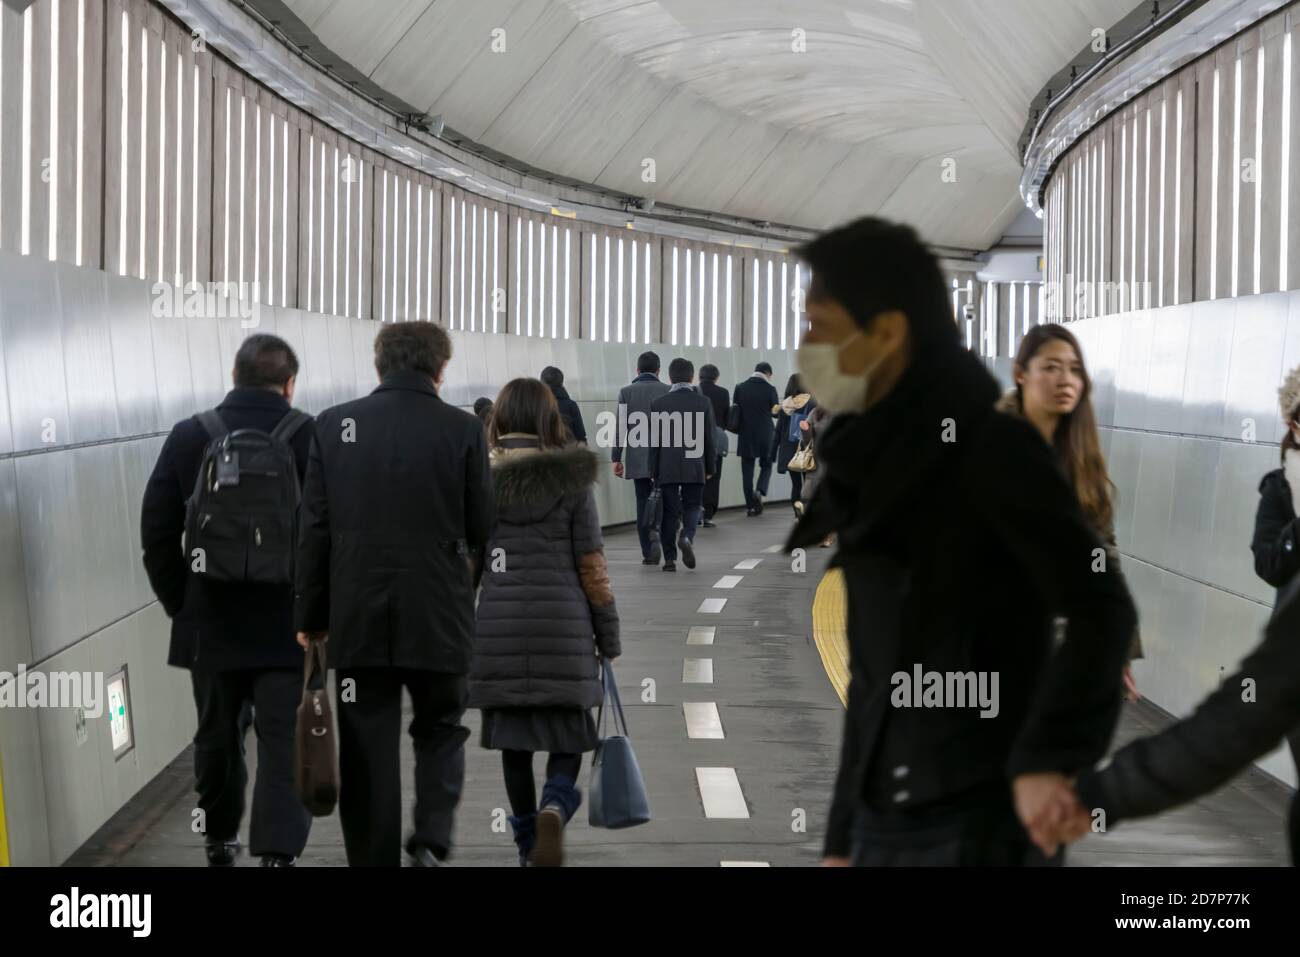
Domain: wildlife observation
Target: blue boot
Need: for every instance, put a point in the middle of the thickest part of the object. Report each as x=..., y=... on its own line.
x=560, y=799
x=525, y=829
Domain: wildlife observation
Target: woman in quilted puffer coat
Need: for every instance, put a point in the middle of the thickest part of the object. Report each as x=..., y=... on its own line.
x=546, y=615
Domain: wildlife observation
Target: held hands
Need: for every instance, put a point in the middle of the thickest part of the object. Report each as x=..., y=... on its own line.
x=305, y=636
x=1050, y=810
x=618, y=469
x=803, y=425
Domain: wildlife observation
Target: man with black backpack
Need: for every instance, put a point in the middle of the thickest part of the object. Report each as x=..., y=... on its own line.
x=218, y=526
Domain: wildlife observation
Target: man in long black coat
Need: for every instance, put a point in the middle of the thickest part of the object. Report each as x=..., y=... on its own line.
x=397, y=495
x=237, y=640
x=960, y=543
x=757, y=400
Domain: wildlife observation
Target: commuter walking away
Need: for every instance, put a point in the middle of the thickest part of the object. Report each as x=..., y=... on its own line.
x=398, y=495
x=633, y=462
x=755, y=403
x=483, y=409
x=816, y=423
x=233, y=629
x=1276, y=544
x=721, y=402
x=569, y=411
x=546, y=616
x=791, y=432
x=680, y=467
x=1054, y=393
x=966, y=589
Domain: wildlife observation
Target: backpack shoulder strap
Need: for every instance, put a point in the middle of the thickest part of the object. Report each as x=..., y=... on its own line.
x=288, y=426
x=212, y=424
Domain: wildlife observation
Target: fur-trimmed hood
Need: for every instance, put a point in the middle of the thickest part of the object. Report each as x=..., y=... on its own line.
x=533, y=480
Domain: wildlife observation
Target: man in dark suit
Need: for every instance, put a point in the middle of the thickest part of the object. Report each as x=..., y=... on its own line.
x=757, y=399
x=397, y=495
x=553, y=378
x=720, y=399
x=634, y=461
x=680, y=456
x=237, y=640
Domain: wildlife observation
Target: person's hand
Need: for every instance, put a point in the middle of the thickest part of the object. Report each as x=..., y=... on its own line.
x=1130, y=685
x=1049, y=809
x=803, y=425
x=708, y=477
x=306, y=636
x=830, y=861
x=618, y=469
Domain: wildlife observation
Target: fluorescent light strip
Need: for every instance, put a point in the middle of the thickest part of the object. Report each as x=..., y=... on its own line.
x=1146, y=228
x=1214, y=190
x=728, y=335
x=714, y=334
x=646, y=306
x=1178, y=191
x=686, y=300
x=1285, y=166
x=451, y=270
x=25, y=242
x=528, y=299
x=270, y=207
x=311, y=220
x=406, y=262
x=631, y=325
x=674, y=342
x=347, y=230
x=1236, y=171
x=53, y=185
x=568, y=272
x=620, y=288
x=1164, y=132
x=162, y=153
x=785, y=299
x=81, y=122
x=180, y=171
x=122, y=153
x=541, y=279
x=144, y=142
x=383, y=254
x=1259, y=160
x=243, y=178
x=699, y=285
x=284, y=206
x=770, y=271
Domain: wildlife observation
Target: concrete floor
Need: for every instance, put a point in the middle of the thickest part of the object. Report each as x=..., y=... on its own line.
x=781, y=720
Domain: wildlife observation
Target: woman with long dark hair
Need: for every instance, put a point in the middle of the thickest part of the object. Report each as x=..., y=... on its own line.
x=791, y=429
x=1053, y=391
x=545, y=616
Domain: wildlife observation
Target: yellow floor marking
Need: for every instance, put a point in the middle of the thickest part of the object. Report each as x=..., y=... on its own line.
x=830, y=630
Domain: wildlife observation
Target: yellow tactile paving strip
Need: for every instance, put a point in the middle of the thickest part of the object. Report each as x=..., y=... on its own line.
x=830, y=631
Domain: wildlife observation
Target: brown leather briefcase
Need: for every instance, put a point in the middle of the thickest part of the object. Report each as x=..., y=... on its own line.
x=316, y=767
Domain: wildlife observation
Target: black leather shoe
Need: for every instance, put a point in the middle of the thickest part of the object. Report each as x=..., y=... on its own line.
x=758, y=507
x=750, y=513
x=423, y=856
x=688, y=552
x=277, y=860
x=707, y=524
x=222, y=853
x=649, y=561
x=670, y=566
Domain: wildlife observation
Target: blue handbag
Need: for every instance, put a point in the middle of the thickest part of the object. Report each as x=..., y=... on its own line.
x=617, y=795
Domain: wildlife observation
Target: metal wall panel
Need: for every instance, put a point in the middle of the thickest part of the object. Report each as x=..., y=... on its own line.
x=31, y=330
x=1168, y=364
x=1151, y=501
x=53, y=557
x=135, y=382
x=87, y=354
x=1206, y=381
x=1255, y=367
x=171, y=367
x=15, y=632
x=104, y=539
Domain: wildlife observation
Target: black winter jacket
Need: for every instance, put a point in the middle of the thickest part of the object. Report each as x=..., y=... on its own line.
x=216, y=626
x=1276, y=547
x=570, y=413
x=397, y=495
x=1244, y=719
x=546, y=608
x=960, y=541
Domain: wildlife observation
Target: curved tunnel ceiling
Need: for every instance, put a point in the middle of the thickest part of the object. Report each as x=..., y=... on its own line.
x=735, y=118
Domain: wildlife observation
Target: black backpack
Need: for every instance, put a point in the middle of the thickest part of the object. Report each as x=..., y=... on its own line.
x=241, y=522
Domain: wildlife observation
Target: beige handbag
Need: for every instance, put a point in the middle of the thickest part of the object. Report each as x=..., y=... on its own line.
x=803, y=459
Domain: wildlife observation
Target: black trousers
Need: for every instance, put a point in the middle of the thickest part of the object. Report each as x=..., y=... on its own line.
x=1293, y=820
x=980, y=829
x=643, y=487
x=713, y=489
x=280, y=824
x=681, y=507
x=796, y=486
x=747, y=478
x=369, y=711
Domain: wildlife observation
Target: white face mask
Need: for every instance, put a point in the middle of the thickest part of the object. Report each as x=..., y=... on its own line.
x=835, y=391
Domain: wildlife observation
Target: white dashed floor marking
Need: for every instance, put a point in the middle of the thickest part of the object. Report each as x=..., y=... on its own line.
x=721, y=794
x=747, y=564
x=701, y=635
x=702, y=719
x=729, y=581
x=711, y=606
x=697, y=671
